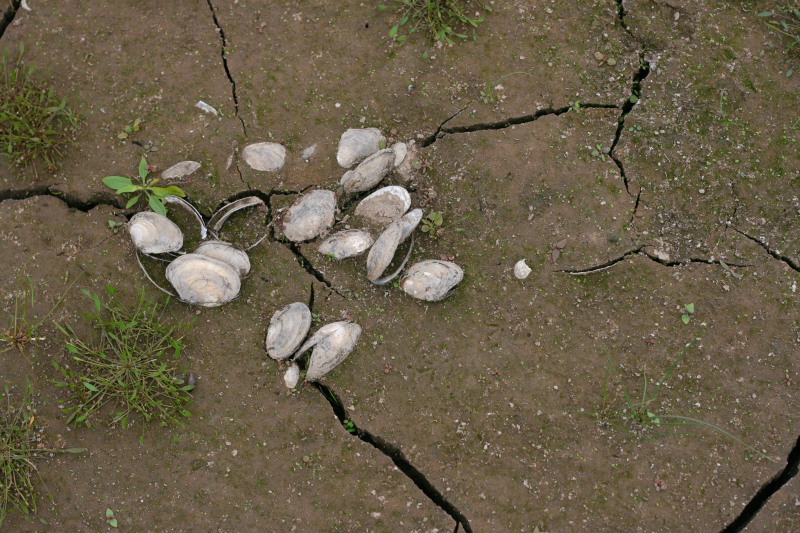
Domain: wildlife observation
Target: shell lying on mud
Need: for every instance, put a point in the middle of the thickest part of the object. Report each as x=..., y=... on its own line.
x=431, y=280
x=358, y=144
x=153, y=233
x=287, y=329
x=385, y=205
x=382, y=252
x=180, y=170
x=309, y=216
x=521, y=270
x=202, y=280
x=266, y=156
x=400, y=152
x=222, y=214
x=408, y=166
x=227, y=253
x=332, y=343
x=292, y=376
x=347, y=243
x=369, y=172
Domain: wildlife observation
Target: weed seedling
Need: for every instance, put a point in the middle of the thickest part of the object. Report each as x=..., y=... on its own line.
x=155, y=195
x=432, y=224
x=688, y=311
x=114, y=225
x=441, y=19
x=786, y=21
x=130, y=129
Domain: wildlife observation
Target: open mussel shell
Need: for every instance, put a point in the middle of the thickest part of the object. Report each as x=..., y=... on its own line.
x=384, y=206
x=153, y=233
x=332, y=343
x=431, y=280
x=357, y=144
x=227, y=253
x=202, y=280
x=222, y=214
x=347, y=243
x=287, y=329
x=369, y=172
x=309, y=216
x=382, y=252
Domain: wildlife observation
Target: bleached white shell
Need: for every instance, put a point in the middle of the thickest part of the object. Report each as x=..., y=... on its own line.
x=385, y=205
x=347, y=243
x=521, y=270
x=287, y=329
x=266, y=156
x=227, y=253
x=369, y=172
x=332, y=343
x=406, y=168
x=400, y=151
x=358, y=144
x=309, y=216
x=292, y=376
x=180, y=170
x=382, y=252
x=431, y=280
x=201, y=280
x=409, y=223
x=153, y=233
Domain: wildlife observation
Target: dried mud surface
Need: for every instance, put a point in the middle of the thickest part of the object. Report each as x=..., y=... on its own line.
x=492, y=408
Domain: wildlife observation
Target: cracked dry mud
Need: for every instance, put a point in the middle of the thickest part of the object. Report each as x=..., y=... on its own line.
x=471, y=414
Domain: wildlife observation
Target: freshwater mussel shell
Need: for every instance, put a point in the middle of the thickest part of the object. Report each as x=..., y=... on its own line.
x=153, y=233
x=432, y=280
x=288, y=328
x=356, y=145
x=227, y=253
x=202, y=280
x=369, y=172
x=332, y=343
x=311, y=215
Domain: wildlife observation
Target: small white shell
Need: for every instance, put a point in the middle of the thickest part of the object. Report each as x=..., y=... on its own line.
x=308, y=152
x=400, y=151
x=153, y=233
x=431, y=280
x=521, y=270
x=382, y=252
x=309, y=216
x=347, y=243
x=287, y=329
x=201, y=280
x=227, y=253
x=409, y=223
x=357, y=144
x=180, y=170
x=332, y=343
x=266, y=156
x=292, y=376
x=385, y=205
x=369, y=172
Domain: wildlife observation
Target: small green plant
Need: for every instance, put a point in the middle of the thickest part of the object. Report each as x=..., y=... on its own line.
x=147, y=187
x=350, y=426
x=786, y=21
x=34, y=123
x=115, y=225
x=111, y=519
x=441, y=19
x=599, y=151
x=132, y=364
x=488, y=94
x=130, y=128
x=22, y=442
x=432, y=224
x=688, y=311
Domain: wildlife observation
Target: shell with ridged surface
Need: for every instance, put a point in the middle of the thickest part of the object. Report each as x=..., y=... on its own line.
x=358, y=144
x=431, y=280
x=287, y=329
x=332, y=343
x=384, y=206
x=153, y=233
x=309, y=216
x=226, y=252
x=202, y=280
x=369, y=172
x=347, y=243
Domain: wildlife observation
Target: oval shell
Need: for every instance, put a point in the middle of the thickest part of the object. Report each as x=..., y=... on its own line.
x=292, y=376
x=369, y=172
x=153, y=233
x=227, y=253
x=201, y=280
x=431, y=280
x=332, y=343
x=347, y=243
x=358, y=144
x=266, y=156
x=400, y=152
x=180, y=170
x=521, y=270
x=382, y=252
x=385, y=205
x=287, y=329
x=309, y=216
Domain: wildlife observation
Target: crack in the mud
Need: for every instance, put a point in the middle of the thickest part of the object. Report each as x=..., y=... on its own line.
x=774, y=253
x=224, y=55
x=397, y=456
x=8, y=16
x=44, y=190
x=441, y=131
x=641, y=250
x=766, y=491
x=303, y=261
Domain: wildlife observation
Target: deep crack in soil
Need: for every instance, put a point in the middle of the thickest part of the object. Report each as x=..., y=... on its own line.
x=774, y=253
x=224, y=54
x=44, y=190
x=8, y=15
x=641, y=250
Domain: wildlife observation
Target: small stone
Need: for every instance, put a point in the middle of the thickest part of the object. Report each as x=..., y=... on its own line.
x=180, y=170
x=265, y=156
x=521, y=270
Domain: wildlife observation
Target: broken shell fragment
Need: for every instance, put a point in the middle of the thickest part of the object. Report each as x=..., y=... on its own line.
x=382, y=252
x=385, y=205
x=309, y=216
x=409, y=223
x=431, y=280
x=265, y=157
x=180, y=170
x=224, y=213
x=287, y=329
x=369, y=172
x=292, y=376
x=227, y=253
x=332, y=343
x=358, y=144
x=521, y=270
x=400, y=151
x=347, y=243
x=153, y=233
x=202, y=280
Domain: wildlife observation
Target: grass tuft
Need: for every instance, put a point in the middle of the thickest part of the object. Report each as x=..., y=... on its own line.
x=442, y=20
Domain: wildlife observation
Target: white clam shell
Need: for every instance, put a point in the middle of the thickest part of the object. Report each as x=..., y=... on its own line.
x=347, y=243
x=369, y=172
x=358, y=144
x=287, y=329
x=385, y=205
x=153, y=233
x=400, y=152
x=382, y=252
x=292, y=376
x=201, y=280
x=405, y=169
x=332, y=343
x=521, y=270
x=309, y=216
x=180, y=170
x=265, y=156
x=227, y=253
x=431, y=280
